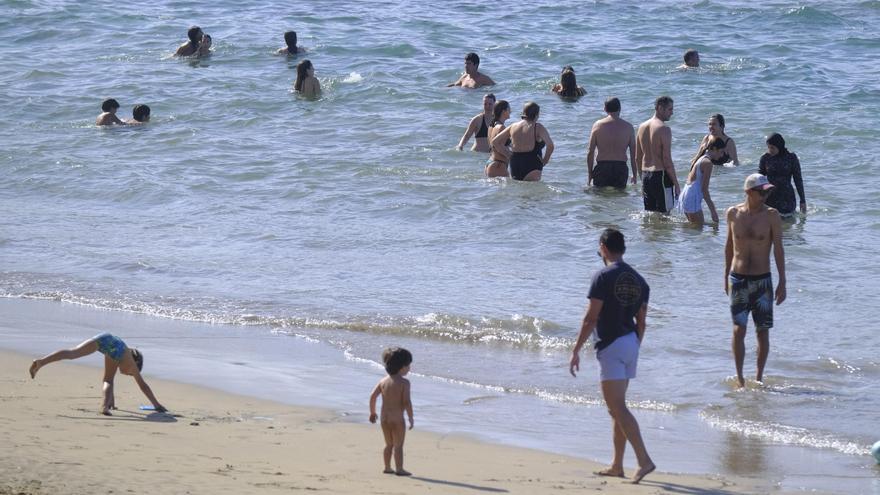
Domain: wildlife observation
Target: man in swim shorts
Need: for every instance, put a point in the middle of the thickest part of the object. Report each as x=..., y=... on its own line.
x=612, y=136
x=753, y=229
x=654, y=159
x=617, y=310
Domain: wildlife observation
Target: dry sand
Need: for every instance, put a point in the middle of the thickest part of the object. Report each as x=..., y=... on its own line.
x=53, y=441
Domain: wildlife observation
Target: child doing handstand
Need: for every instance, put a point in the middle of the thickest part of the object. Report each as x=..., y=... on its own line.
x=394, y=390
x=117, y=356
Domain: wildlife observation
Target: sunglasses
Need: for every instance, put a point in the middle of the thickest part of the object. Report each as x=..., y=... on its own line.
x=762, y=192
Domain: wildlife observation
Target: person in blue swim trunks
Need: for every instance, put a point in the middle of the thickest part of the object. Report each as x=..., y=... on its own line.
x=117, y=356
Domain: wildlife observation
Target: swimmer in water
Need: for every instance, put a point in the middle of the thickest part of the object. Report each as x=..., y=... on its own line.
x=108, y=117
x=478, y=125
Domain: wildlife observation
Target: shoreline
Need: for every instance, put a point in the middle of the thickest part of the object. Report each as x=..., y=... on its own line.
x=213, y=440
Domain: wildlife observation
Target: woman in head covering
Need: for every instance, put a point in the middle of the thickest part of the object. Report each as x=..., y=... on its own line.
x=781, y=166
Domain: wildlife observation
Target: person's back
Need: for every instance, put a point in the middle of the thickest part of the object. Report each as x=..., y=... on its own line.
x=613, y=137
x=191, y=47
x=623, y=291
x=393, y=390
x=108, y=115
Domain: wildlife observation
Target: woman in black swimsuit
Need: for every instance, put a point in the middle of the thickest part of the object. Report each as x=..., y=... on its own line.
x=527, y=139
x=479, y=125
x=716, y=129
x=496, y=166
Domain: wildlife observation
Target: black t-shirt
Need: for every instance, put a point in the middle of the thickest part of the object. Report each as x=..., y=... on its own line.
x=622, y=292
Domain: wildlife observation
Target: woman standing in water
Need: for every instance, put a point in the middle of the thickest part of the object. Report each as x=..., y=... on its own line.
x=306, y=83
x=697, y=188
x=781, y=166
x=499, y=155
x=568, y=86
x=527, y=139
x=479, y=125
x=716, y=129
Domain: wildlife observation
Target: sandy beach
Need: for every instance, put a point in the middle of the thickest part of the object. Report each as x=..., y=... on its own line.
x=213, y=442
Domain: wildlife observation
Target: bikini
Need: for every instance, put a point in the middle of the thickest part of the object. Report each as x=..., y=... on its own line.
x=484, y=131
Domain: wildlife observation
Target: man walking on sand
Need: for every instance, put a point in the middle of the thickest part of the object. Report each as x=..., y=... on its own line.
x=752, y=229
x=654, y=159
x=612, y=136
x=617, y=310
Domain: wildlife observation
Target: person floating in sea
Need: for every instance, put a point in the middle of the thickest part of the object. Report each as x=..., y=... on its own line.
x=612, y=136
x=140, y=114
x=691, y=59
x=499, y=156
x=117, y=356
x=527, y=139
x=654, y=159
x=568, y=86
x=696, y=190
x=716, y=129
x=781, y=167
x=618, y=306
x=191, y=47
x=395, y=392
x=472, y=77
x=753, y=229
x=306, y=83
x=108, y=115
x=479, y=127
x=291, y=48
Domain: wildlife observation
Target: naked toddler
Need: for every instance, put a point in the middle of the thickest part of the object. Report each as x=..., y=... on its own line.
x=394, y=390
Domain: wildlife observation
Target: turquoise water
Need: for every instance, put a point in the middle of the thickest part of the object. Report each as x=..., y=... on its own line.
x=352, y=220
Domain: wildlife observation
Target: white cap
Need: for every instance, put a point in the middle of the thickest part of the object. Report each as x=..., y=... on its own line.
x=757, y=181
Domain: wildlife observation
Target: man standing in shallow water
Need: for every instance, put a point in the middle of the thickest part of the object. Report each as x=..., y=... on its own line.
x=654, y=159
x=472, y=77
x=617, y=310
x=612, y=136
x=752, y=229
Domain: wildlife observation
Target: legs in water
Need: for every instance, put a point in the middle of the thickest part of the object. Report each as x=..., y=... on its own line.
x=79, y=351
x=763, y=335
x=614, y=392
x=739, y=352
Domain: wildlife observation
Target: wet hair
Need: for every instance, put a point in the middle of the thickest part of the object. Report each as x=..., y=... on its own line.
x=718, y=118
x=500, y=107
x=138, y=358
x=777, y=140
x=662, y=102
x=473, y=58
x=290, y=39
x=195, y=35
x=530, y=111
x=140, y=112
x=690, y=54
x=612, y=105
x=302, y=69
x=613, y=241
x=395, y=358
x=491, y=96
x=569, y=84
x=109, y=104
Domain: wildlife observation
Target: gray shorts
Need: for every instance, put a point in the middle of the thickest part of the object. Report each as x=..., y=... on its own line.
x=618, y=361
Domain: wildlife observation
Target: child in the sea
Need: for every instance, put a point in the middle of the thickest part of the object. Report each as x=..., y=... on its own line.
x=394, y=390
x=117, y=356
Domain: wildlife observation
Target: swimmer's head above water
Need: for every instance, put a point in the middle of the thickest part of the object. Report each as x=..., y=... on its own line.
x=498, y=112
x=530, y=112
x=110, y=105
x=471, y=63
x=290, y=41
x=692, y=58
x=195, y=35
x=141, y=113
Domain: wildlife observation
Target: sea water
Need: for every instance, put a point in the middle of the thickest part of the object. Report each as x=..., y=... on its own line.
x=351, y=221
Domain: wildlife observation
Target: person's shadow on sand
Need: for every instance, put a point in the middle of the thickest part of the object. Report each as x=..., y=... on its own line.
x=118, y=415
x=686, y=490
x=460, y=485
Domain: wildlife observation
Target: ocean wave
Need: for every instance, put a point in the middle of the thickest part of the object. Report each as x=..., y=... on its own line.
x=518, y=331
x=784, y=434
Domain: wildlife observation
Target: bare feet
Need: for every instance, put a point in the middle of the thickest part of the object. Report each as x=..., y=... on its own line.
x=615, y=473
x=35, y=366
x=401, y=472
x=741, y=381
x=388, y=470
x=642, y=472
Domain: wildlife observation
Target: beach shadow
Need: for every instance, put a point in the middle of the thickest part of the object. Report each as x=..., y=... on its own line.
x=688, y=490
x=460, y=485
x=131, y=416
